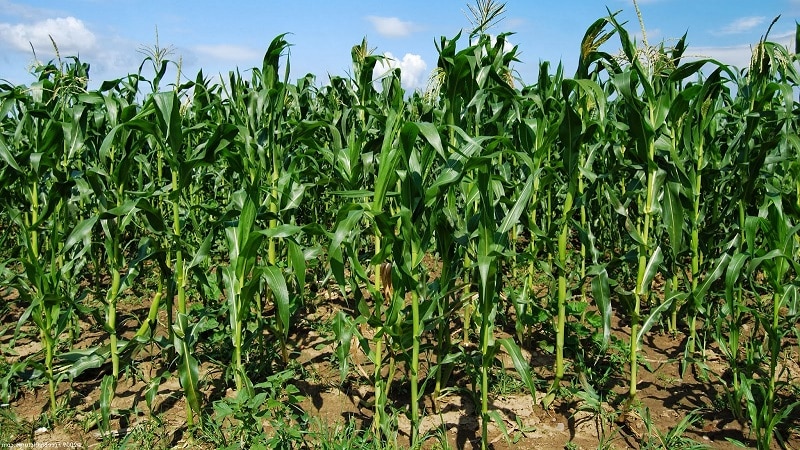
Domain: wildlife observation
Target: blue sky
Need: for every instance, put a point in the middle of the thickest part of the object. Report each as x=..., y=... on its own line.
x=219, y=37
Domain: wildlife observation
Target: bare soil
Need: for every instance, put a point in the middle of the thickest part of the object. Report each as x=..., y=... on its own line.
x=664, y=393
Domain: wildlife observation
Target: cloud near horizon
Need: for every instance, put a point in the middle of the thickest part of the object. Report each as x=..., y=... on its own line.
x=736, y=55
x=228, y=52
x=741, y=25
x=70, y=34
x=413, y=69
x=392, y=26
x=26, y=11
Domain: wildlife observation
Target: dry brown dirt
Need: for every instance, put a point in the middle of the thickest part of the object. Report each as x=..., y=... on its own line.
x=663, y=392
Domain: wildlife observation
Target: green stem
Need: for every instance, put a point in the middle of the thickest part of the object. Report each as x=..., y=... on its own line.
x=380, y=394
x=584, y=226
x=775, y=350
x=532, y=245
x=152, y=315
x=673, y=322
x=180, y=278
x=695, y=244
x=237, y=356
x=484, y=389
x=485, y=339
x=641, y=291
x=111, y=319
x=48, y=363
x=34, y=235
x=469, y=307
x=416, y=336
x=634, y=350
x=562, y=290
x=376, y=269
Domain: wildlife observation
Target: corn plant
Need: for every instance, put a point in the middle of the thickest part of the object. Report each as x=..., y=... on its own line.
x=39, y=159
x=575, y=132
x=778, y=263
x=184, y=153
x=648, y=85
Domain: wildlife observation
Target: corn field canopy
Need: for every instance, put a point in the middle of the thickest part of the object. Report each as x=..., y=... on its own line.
x=483, y=220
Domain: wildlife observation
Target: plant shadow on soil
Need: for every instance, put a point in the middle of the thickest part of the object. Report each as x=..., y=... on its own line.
x=666, y=395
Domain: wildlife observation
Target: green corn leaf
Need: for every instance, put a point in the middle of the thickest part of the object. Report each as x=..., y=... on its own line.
x=126, y=211
x=387, y=166
x=232, y=240
x=570, y=131
x=222, y=136
x=719, y=268
x=355, y=193
x=6, y=155
x=653, y=317
x=734, y=273
x=522, y=366
x=77, y=362
x=246, y=221
x=188, y=367
x=501, y=424
x=81, y=233
x=202, y=252
x=293, y=196
x=343, y=330
x=233, y=291
x=661, y=108
x=520, y=206
x=651, y=270
x=109, y=142
x=344, y=227
x=107, y=388
x=797, y=38
x=155, y=220
x=627, y=43
x=633, y=232
x=169, y=121
x=751, y=226
x=485, y=255
x=769, y=256
x=280, y=293
x=601, y=291
x=790, y=299
x=673, y=216
x=297, y=258
x=189, y=375
x=619, y=208
x=152, y=391
x=281, y=231
x=56, y=193
x=431, y=135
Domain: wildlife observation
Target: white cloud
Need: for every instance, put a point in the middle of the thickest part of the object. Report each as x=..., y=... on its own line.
x=413, y=70
x=227, y=52
x=392, y=26
x=740, y=55
x=654, y=35
x=70, y=34
x=786, y=38
x=741, y=25
x=26, y=12
x=737, y=56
